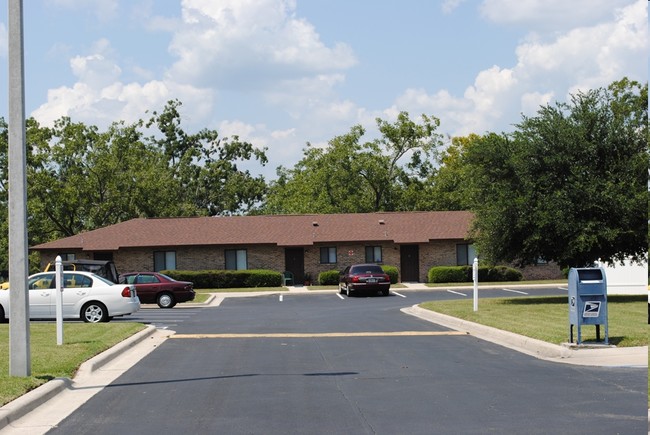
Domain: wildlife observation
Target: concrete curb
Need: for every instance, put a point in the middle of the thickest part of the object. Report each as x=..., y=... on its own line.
x=593, y=356
x=530, y=346
x=28, y=402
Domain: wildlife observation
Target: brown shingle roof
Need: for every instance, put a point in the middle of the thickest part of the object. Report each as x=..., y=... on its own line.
x=281, y=230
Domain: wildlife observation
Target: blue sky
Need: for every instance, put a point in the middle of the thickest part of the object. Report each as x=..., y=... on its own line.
x=281, y=73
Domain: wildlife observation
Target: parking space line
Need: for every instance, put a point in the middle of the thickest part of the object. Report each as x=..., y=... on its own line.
x=514, y=291
x=324, y=335
x=457, y=293
x=398, y=294
x=340, y=296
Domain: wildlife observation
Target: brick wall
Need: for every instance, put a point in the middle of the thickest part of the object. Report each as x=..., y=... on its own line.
x=436, y=253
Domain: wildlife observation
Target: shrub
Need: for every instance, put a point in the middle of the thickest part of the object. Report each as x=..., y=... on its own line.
x=228, y=278
x=464, y=274
x=448, y=274
x=330, y=277
x=393, y=272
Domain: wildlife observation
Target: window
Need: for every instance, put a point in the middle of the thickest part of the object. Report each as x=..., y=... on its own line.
x=164, y=260
x=327, y=255
x=465, y=254
x=236, y=259
x=67, y=256
x=373, y=254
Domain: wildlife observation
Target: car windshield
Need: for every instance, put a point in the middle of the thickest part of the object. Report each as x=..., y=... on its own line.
x=367, y=269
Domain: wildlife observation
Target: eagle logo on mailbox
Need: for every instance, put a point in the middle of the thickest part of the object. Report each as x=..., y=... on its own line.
x=592, y=309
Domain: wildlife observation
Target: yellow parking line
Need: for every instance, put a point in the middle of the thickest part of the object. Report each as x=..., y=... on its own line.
x=323, y=335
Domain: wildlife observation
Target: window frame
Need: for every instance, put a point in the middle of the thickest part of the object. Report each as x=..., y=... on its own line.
x=326, y=253
x=239, y=253
x=168, y=260
x=371, y=254
x=465, y=254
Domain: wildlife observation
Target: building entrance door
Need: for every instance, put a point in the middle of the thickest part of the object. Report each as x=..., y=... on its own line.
x=410, y=262
x=294, y=262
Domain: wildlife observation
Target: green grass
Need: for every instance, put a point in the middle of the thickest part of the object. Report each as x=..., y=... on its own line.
x=81, y=341
x=547, y=318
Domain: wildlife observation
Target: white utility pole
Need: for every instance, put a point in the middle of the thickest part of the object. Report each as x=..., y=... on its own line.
x=19, y=349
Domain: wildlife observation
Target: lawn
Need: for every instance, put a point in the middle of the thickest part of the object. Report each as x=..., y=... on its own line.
x=81, y=341
x=547, y=318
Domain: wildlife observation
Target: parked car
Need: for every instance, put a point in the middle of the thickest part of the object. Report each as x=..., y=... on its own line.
x=157, y=288
x=86, y=296
x=364, y=277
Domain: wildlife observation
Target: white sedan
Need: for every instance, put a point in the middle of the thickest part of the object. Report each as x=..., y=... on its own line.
x=86, y=296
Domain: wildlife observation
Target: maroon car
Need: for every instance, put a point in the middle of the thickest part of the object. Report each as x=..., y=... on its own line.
x=156, y=288
x=370, y=277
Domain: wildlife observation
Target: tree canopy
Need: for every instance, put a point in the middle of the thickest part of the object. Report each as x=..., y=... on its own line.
x=81, y=178
x=569, y=185
x=351, y=176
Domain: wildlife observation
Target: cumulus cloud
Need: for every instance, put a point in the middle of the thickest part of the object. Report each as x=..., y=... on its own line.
x=547, y=69
x=99, y=96
x=250, y=44
x=554, y=15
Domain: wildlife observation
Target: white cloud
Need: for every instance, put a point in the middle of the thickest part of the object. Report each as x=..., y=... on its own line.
x=555, y=15
x=244, y=44
x=583, y=58
x=99, y=96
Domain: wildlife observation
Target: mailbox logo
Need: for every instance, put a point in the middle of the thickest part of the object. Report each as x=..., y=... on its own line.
x=592, y=309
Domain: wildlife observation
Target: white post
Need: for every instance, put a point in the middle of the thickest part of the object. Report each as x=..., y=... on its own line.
x=19, y=345
x=59, y=299
x=475, y=279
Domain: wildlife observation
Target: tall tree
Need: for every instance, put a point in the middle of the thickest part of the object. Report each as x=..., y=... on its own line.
x=349, y=176
x=570, y=185
x=208, y=167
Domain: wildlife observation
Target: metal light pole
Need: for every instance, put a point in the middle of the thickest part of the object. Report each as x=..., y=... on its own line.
x=19, y=349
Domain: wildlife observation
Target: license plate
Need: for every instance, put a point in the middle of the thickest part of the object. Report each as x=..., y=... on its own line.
x=372, y=280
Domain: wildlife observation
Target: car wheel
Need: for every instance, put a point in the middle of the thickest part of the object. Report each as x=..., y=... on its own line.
x=3, y=319
x=342, y=290
x=94, y=312
x=385, y=292
x=166, y=300
x=348, y=290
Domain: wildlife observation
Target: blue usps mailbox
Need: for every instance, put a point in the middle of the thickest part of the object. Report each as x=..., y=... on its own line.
x=587, y=301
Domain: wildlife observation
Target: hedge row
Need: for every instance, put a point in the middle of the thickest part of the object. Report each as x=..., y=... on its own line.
x=228, y=278
x=331, y=277
x=464, y=274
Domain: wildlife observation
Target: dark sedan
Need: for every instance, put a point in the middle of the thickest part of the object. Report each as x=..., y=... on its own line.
x=156, y=288
x=364, y=277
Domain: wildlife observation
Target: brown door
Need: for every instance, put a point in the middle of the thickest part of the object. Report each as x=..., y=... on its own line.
x=294, y=262
x=410, y=262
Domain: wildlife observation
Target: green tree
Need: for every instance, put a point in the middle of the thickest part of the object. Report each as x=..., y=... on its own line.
x=349, y=176
x=206, y=166
x=569, y=185
x=81, y=178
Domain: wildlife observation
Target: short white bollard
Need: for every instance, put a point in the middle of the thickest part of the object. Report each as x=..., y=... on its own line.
x=475, y=279
x=58, y=272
